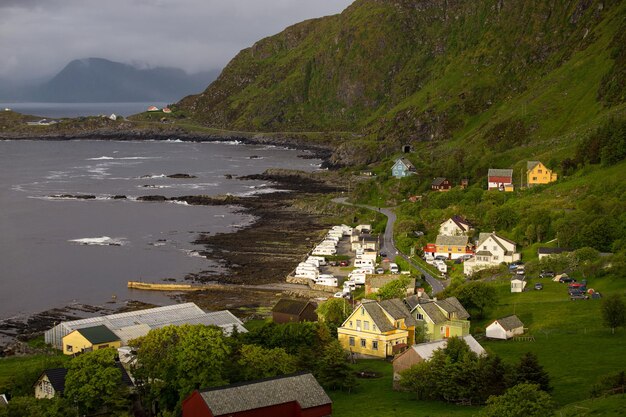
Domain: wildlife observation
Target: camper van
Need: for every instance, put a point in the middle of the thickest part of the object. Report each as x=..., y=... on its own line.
x=393, y=268
x=305, y=267
x=307, y=274
x=327, y=280
x=320, y=259
x=312, y=262
x=328, y=243
x=349, y=285
x=324, y=250
x=358, y=278
x=363, y=262
x=335, y=234
x=363, y=270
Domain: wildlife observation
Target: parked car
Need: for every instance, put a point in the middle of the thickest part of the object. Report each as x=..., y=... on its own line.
x=520, y=271
x=566, y=280
x=579, y=297
x=514, y=265
x=441, y=258
x=539, y=286
x=546, y=274
x=575, y=291
x=344, y=263
x=380, y=271
x=333, y=263
x=383, y=254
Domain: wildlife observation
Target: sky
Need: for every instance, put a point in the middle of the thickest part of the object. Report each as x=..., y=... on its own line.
x=39, y=37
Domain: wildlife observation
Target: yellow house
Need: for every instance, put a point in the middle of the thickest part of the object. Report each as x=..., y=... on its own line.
x=379, y=329
x=90, y=338
x=537, y=173
x=439, y=319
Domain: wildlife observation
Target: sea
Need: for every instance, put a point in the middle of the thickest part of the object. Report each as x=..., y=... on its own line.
x=57, y=251
x=61, y=110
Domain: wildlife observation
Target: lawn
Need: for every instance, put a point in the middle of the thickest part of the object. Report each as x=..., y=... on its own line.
x=17, y=368
x=375, y=397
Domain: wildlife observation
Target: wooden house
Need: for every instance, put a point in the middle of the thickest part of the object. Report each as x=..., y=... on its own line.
x=377, y=329
x=51, y=382
x=500, y=179
x=297, y=395
x=491, y=250
x=289, y=310
x=537, y=173
x=441, y=184
x=453, y=247
x=402, y=168
x=424, y=351
x=455, y=226
x=90, y=338
x=505, y=328
x=440, y=319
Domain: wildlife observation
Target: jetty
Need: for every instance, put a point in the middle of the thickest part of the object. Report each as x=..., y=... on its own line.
x=137, y=285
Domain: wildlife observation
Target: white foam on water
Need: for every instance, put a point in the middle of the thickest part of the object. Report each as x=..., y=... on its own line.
x=100, y=241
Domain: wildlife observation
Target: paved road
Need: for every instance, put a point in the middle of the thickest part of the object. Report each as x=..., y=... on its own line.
x=388, y=245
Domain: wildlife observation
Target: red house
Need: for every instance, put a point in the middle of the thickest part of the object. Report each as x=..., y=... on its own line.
x=289, y=310
x=441, y=184
x=296, y=395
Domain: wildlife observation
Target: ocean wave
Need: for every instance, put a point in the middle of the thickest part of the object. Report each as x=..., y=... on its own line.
x=182, y=203
x=259, y=191
x=192, y=253
x=106, y=158
x=153, y=176
x=100, y=241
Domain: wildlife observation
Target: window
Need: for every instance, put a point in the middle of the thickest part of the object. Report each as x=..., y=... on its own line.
x=358, y=324
x=103, y=346
x=495, y=258
x=534, y=178
x=350, y=323
x=351, y=341
x=442, y=330
x=366, y=325
x=362, y=311
x=374, y=327
x=374, y=344
x=420, y=316
x=69, y=348
x=495, y=248
x=540, y=171
x=363, y=343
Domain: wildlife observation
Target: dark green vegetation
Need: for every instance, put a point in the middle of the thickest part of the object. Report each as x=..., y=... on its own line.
x=470, y=82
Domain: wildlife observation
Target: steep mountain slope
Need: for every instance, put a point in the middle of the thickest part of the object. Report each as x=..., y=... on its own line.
x=496, y=73
x=101, y=80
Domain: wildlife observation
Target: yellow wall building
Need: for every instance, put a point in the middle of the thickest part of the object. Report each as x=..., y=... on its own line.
x=440, y=319
x=90, y=338
x=537, y=173
x=378, y=329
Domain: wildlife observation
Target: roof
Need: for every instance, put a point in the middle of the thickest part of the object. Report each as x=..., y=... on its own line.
x=433, y=309
x=461, y=222
x=98, y=334
x=413, y=300
x=453, y=305
x=3, y=400
x=439, y=180
x=531, y=164
x=290, y=306
x=302, y=388
x=396, y=309
x=433, y=312
x=553, y=251
x=509, y=322
x=443, y=240
x=406, y=163
x=56, y=376
x=426, y=350
x=508, y=173
x=378, y=315
x=484, y=236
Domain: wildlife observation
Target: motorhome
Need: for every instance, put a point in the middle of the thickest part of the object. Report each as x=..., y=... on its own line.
x=307, y=274
x=358, y=278
x=305, y=267
x=313, y=262
x=363, y=262
x=335, y=234
x=367, y=254
x=324, y=250
x=363, y=270
x=321, y=259
x=393, y=268
x=327, y=280
x=328, y=243
x=349, y=285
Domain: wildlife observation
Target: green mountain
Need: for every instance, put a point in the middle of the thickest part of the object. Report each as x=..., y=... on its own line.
x=494, y=75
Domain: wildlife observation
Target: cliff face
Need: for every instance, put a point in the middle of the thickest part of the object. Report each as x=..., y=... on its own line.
x=403, y=71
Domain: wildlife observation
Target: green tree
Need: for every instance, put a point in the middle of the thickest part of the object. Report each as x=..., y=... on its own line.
x=522, y=400
x=333, y=371
x=94, y=382
x=613, y=312
x=476, y=297
x=394, y=289
x=256, y=362
x=29, y=406
x=418, y=379
x=530, y=370
x=334, y=312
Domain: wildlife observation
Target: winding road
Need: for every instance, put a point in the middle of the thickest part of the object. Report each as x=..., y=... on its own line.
x=388, y=245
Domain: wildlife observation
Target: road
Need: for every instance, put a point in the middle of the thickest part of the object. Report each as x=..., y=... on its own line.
x=388, y=245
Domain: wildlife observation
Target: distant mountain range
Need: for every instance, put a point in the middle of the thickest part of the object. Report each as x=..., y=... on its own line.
x=101, y=80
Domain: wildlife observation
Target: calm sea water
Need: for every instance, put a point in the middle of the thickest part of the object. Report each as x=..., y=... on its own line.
x=58, y=110
x=57, y=251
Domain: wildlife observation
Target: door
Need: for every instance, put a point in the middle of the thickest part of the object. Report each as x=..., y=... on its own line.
x=447, y=332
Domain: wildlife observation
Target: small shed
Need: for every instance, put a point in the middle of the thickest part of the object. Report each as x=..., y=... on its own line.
x=289, y=310
x=518, y=284
x=90, y=338
x=505, y=328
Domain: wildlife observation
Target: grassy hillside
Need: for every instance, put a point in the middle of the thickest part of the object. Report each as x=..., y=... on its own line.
x=452, y=76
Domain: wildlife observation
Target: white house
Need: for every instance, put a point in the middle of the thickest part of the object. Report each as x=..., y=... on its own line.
x=402, y=168
x=491, y=250
x=500, y=179
x=518, y=284
x=505, y=328
x=455, y=226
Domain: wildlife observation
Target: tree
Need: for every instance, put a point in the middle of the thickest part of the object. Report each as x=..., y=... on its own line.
x=29, y=406
x=175, y=360
x=476, y=297
x=334, y=312
x=522, y=400
x=394, y=289
x=613, y=312
x=530, y=370
x=256, y=362
x=94, y=382
x=333, y=371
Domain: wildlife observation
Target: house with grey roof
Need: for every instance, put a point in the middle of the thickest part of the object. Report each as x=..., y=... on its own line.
x=455, y=226
x=440, y=319
x=491, y=250
x=500, y=179
x=402, y=168
x=505, y=328
x=293, y=395
x=51, y=382
x=441, y=184
x=288, y=310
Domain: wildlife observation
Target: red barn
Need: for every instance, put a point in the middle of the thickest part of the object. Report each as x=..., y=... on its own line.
x=296, y=395
x=499, y=179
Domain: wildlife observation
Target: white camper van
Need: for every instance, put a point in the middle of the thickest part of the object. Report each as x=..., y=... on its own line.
x=307, y=274
x=363, y=262
x=393, y=268
x=327, y=280
x=324, y=250
x=321, y=259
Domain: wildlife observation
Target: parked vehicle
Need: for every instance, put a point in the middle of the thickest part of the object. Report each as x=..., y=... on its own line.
x=514, y=265
x=579, y=297
x=546, y=274
x=393, y=268
x=383, y=254
x=380, y=271
x=344, y=263
x=327, y=280
x=520, y=271
x=441, y=258
x=363, y=262
x=539, y=286
x=321, y=259
x=566, y=280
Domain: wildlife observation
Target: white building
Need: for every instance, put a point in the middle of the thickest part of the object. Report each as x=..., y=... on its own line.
x=455, y=226
x=491, y=250
x=518, y=284
x=505, y=328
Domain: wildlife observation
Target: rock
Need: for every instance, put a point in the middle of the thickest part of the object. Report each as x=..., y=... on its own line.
x=152, y=198
x=119, y=197
x=76, y=196
x=228, y=176
x=184, y=176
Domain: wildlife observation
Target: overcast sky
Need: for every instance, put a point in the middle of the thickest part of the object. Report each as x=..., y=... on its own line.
x=38, y=37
